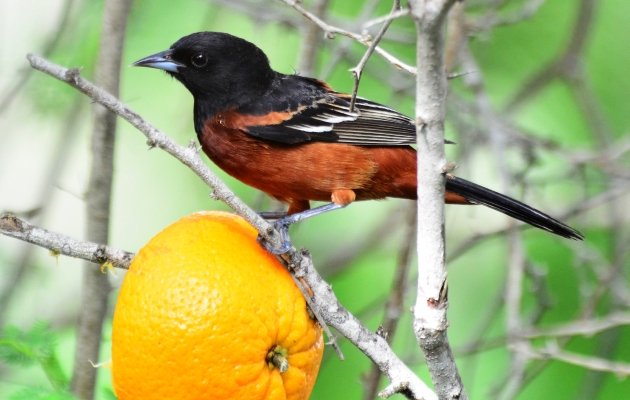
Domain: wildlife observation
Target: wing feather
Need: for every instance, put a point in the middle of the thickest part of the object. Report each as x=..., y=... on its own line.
x=328, y=118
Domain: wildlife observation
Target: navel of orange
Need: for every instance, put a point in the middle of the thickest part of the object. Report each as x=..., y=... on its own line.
x=205, y=312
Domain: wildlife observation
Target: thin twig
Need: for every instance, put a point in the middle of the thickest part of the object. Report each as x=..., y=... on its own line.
x=12, y=226
x=401, y=12
x=584, y=327
x=553, y=351
x=357, y=71
x=330, y=32
x=342, y=51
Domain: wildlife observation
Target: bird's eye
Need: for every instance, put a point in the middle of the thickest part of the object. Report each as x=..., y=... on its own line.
x=199, y=60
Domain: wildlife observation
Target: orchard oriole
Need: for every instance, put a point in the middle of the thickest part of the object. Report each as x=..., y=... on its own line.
x=297, y=140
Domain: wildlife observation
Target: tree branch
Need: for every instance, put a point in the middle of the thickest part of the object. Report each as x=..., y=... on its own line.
x=400, y=12
x=584, y=327
x=430, y=322
x=95, y=286
x=12, y=226
x=553, y=351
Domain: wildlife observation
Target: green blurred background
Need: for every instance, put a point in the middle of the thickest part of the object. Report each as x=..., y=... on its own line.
x=544, y=142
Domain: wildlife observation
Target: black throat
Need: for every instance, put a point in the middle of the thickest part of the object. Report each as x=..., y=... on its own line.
x=239, y=95
x=204, y=110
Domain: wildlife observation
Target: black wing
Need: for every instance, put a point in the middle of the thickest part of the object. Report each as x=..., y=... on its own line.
x=319, y=114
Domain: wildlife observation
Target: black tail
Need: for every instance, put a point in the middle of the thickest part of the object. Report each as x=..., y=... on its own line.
x=480, y=195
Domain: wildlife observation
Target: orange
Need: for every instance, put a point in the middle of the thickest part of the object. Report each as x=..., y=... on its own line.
x=205, y=312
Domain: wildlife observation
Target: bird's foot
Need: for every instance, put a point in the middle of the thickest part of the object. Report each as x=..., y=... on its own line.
x=282, y=226
x=285, y=241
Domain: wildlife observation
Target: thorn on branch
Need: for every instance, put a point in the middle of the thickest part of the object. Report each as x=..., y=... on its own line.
x=382, y=332
x=72, y=75
x=214, y=196
x=444, y=292
x=100, y=255
x=449, y=167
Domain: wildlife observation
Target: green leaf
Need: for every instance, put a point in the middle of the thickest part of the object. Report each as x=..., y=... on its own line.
x=25, y=347
x=33, y=347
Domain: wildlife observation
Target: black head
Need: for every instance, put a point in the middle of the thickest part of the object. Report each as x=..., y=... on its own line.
x=215, y=67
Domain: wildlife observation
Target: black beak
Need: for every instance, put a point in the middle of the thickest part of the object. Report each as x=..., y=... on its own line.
x=161, y=60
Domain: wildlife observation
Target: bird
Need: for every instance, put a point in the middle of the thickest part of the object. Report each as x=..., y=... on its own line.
x=298, y=140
